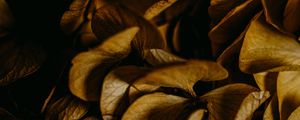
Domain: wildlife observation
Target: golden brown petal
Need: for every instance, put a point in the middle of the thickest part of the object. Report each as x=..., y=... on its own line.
x=157, y=8
x=114, y=100
x=266, y=49
x=156, y=106
x=250, y=104
x=266, y=81
x=180, y=75
x=295, y=114
x=288, y=92
x=89, y=68
x=158, y=57
x=223, y=103
x=271, y=112
x=197, y=115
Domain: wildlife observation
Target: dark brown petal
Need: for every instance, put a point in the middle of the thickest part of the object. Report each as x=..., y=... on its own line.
x=232, y=25
x=6, y=18
x=66, y=108
x=219, y=8
x=113, y=18
x=273, y=10
x=20, y=60
x=291, y=20
x=114, y=100
x=5, y=115
x=223, y=103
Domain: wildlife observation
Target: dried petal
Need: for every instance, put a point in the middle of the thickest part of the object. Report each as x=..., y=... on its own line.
x=19, y=60
x=266, y=81
x=156, y=106
x=77, y=20
x=273, y=10
x=158, y=57
x=112, y=18
x=223, y=103
x=89, y=68
x=67, y=108
x=266, y=49
x=197, y=115
x=180, y=75
x=291, y=16
x=250, y=104
x=219, y=8
x=288, y=92
x=271, y=112
x=5, y=115
x=295, y=114
x=6, y=19
x=157, y=8
x=223, y=33
x=114, y=99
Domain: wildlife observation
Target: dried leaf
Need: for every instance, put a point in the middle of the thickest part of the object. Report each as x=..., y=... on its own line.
x=266, y=81
x=223, y=103
x=19, y=60
x=197, y=115
x=223, y=33
x=156, y=106
x=266, y=49
x=291, y=16
x=295, y=114
x=288, y=92
x=112, y=18
x=271, y=112
x=157, y=8
x=180, y=75
x=113, y=100
x=89, y=68
x=6, y=19
x=5, y=115
x=158, y=57
x=250, y=104
x=67, y=108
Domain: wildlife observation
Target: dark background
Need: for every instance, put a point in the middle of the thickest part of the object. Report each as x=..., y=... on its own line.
x=37, y=21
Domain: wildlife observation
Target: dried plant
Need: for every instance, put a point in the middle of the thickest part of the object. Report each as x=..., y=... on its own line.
x=153, y=60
